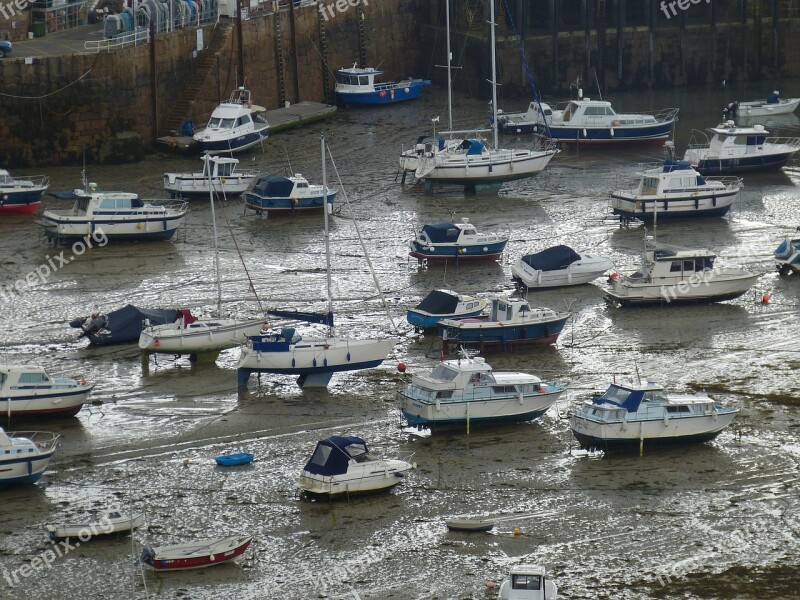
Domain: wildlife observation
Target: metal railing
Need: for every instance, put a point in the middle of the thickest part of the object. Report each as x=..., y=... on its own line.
x=134, y=38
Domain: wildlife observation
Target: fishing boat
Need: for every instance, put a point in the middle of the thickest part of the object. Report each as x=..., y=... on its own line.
x=734, y=149
x=24, y=455
x=787, y=255
x=444, y=304
x=29, y=391
x=287, y=195
x=512, y=322
x=528, y=582
x=343, y=466
x=558, y=266
x=234, y=460
x=471, y=162
x=467, y=390
x=118, y=216
x=355, y=85
x=442, y=242
x=195, y=555
x=122, y=325
x=225, y=179
x=675, y=190
x=674, y=275
x=112, y=522
x=643, y=413
x=587, y=121
x=21, y=196
x=470, y=524
x=313, y=360
x=771, y=105
x=234, y=126
x=189, y=335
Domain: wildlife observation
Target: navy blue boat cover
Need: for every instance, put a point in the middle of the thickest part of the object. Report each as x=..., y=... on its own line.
x=557, y=257
x=473, y=147
x=438, y=303
x=125, y=324
x=308, y=317
x=440, y=233
x=676, y=165
x=276, y=186
x=332, y=455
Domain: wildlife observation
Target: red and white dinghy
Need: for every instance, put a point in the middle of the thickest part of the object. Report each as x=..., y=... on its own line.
x=195, y=555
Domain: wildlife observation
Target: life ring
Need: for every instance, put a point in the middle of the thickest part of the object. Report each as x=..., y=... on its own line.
x=382, y=93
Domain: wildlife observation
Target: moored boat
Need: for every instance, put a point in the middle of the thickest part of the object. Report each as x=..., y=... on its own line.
x=470, y=524
x=112, y=522
x=444, y=304
x=234, y=460
x=189, y=335
x=225, y=180
x=528, y=582
x=355, y=85
x=343, y=466
x=24, y=455
x=771, y=105
x=643, y=413
x=195, y=555
x=234, y=126
x=558, y=266
x=287, y=195
x=21, y=195
x=456, y=242
x=787, y=255
x=122, y=325
x=29, y=391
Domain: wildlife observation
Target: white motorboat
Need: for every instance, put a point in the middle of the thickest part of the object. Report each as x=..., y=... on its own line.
x=467, y=390
x=734, y=149
x=674, y=275
x=343, y=466
x=29, y=391
x=456, y=242
x=195, y=555
x=643, y=413
x=675, y=190
x=111, y=522
x=558, y=266
x=234, y=126
x=226, y=180
x=313, y=360
x=787, y=255
x=771, y=105
x=528, y=582
x=24, y=455
x=106, y=216
x=287, y=195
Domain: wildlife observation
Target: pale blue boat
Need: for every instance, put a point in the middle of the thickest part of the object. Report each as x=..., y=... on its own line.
x=236, y=459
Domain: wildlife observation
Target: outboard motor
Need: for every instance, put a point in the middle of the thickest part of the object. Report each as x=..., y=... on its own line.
x=94, y=324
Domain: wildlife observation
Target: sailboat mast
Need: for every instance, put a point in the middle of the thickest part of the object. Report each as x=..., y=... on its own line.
x=209, y=161
x=327, y=240
x=449, y=78
x=494, y=75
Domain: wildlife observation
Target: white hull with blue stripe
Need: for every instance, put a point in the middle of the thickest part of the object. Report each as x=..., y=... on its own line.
x=29, y=391
x=24, y=456
x=234, y=126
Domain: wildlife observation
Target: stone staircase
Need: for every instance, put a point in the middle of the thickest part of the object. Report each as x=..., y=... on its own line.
x=181, y=109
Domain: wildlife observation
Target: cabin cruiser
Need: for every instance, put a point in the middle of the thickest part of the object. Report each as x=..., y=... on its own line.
x=21, y=196
x=456, y=242
x=734, y=149
x=224, y=179
x=355, y=85
x=558, y=266
x=30, y=391
x=643, y=413
x=528, y=582
x=287, y=195
x=787, y=255
x=234, y=126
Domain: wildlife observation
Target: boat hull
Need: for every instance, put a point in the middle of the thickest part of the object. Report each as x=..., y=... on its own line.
x=475, y=170
x=337, y=486
x=172, y=339
x=168, y=558
x=499, y=335
x=186, y=185
x=56, y=404
x=233, y=145
x=744, y=164
x=685, y=292
x=607, y=135
x=388, y=94
x=442, y=253
x=98, y=529
x=765, y=109
x=18, y=206
x=24, y=470
x=673, y=208
x=153, y=228
x=234, y=460
x=277, y=205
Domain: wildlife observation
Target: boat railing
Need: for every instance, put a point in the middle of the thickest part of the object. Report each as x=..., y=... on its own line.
x=729, y=182
x=44, y=440
x=699, y=139
x=33, y=180
x=665, y=114
x=788, y=141
x=649, y=166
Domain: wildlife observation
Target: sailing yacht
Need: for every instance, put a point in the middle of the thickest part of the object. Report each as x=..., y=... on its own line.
x=189, y=335
x=313, y=360
x=472, y=162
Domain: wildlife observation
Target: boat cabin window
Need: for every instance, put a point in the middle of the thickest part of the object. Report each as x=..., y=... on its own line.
x=363, y=80
x=444, y=373
x=682, y=182
x=594, y=111
x=610, y=111
x=243, y=120
x=469, y=231
x=224, y=169
x=302, y=185
x=356, y=451
x=650, y=185
x=688, y=265
x=504, y=389
x=321, y=455
x=616, y=394
x=676, y=266
x=221, y=123
x=570, y=111
x=678, y=409
x=444, y=394
x=30, y=378
x=526, y=582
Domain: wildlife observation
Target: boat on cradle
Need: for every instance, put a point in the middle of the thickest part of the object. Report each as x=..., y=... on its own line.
x=675, y=190
x=355, y=85
x=21, y=196
x=558, y=266
x=466, y=390
x=456, y=242
x=29, y=391
x=226, y=180
x=425, y=144
x=471, y=163
x=587, y=121
x=234, y=126
x=528, y=582
x=189, y=335
x=772, y=105
x=313, y=360
x=675, y=275
x=287, y=195
x=117, y=216
x=24, y=455
x=234, y=460
x=512, y=322
x=122, y=325
x=734, y=149
x=444, y=304
x=112, y=522
x=343, y=466
x=470, y=524
x=195, y=555
x=643, y=414
x=787, y=255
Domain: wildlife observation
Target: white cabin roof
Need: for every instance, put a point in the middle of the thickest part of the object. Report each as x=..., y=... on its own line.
x=730, y=128
x=528, y=570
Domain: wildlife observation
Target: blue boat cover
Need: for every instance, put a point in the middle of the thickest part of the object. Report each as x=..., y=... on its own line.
x=438, y=302
x=424, y=139
x=332, y=455
x=552, y=259
x=274, y=187
x=439, y=233
x=473, y=147
x=774, y=97
x=676, y=165
x=622, y=397
x=125, y=324
x=308, y=317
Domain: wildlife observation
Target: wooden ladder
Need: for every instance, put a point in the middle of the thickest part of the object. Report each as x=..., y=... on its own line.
x=327, y=90
x=362, y=49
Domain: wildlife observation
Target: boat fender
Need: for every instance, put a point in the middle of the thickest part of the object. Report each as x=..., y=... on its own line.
x=542, y=389
x=296, y=201
x=485, y=249
x=324, y=362
x=666, y=419
x=521, y=398
x=138, y=226
x=438, y=404
x=348, y=357
x=314, y=363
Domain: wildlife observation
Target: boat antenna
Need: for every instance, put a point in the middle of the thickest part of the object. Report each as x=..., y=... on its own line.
x=449, y=76
x=288, y=162
x=327, y=240
x=494, y=74
x=638, y=377
x=209, y=160
x=597, y=83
